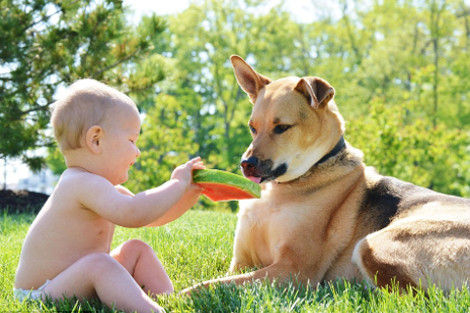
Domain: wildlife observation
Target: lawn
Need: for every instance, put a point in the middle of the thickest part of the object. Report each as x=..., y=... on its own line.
x=198, y=247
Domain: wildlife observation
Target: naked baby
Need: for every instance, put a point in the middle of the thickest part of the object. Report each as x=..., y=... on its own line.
x=67, y=251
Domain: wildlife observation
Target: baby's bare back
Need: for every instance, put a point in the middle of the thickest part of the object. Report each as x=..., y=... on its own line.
x=63, y=232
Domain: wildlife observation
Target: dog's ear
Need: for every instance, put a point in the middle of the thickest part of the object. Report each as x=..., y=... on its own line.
x=250, y=81
x=316, y=90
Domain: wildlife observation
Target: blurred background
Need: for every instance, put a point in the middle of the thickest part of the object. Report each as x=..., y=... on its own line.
x=401, y=71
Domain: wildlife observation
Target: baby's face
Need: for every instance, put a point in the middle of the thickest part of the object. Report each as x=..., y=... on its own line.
x=119, y=145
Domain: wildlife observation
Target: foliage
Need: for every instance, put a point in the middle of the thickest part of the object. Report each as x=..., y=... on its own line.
x=405, y=146
x=184, y=246
x=166, y=142
x=45, y=45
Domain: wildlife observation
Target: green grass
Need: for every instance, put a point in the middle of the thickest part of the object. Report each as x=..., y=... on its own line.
x=198, y=247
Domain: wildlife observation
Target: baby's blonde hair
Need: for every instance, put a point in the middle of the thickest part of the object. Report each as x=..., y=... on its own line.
x=86, y=103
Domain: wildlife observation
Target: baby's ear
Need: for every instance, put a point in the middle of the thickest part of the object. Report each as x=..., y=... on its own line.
x=93, y=137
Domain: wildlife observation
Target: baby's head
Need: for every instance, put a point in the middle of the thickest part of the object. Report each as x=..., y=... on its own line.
x=87, y=103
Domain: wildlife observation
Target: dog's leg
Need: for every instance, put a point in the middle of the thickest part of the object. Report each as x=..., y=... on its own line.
x=417, y=253
x=281, y=272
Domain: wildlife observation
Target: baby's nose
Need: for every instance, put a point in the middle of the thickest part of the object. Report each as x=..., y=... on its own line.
x=138, y=152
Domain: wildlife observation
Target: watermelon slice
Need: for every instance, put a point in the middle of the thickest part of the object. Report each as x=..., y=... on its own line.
x=225, y=186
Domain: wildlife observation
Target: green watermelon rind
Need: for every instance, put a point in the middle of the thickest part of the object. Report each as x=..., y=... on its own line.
x=226, y=178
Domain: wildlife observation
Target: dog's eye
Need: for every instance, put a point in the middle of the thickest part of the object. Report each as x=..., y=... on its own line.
x=279, y=129
x=253, y=130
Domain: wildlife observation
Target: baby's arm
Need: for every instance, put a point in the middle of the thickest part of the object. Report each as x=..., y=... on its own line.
x=124, y=190
x=187, y=200
x=144, y=208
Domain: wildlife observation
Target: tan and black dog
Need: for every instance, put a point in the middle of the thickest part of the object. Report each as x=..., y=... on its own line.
x=323, y=214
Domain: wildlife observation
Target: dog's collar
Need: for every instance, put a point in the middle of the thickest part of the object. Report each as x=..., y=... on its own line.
x=339, y=146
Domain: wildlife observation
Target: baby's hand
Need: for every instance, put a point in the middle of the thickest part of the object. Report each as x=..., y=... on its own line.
x=184, y=172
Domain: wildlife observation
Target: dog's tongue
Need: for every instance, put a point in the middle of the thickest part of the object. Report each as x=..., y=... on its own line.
x=255, y=179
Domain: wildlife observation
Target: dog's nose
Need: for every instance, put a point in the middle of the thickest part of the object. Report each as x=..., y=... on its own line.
x=249, y=163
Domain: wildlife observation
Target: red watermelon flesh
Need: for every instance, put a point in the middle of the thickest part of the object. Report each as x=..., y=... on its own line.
x=224, y=186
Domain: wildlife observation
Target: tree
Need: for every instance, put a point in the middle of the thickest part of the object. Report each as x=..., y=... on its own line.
x=45, y=45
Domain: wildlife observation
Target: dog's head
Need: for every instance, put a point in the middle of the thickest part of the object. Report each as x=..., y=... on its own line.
x=294, y=123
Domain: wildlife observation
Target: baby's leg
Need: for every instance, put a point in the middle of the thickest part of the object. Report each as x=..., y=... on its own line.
x=99, y=275
x=142, y=263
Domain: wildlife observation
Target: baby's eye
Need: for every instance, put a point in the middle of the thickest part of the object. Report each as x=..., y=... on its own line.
x=252, y=129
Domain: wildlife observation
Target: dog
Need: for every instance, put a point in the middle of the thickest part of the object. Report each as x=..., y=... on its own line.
x=323, y=214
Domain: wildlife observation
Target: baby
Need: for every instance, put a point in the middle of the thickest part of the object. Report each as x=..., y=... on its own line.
x=67, y=249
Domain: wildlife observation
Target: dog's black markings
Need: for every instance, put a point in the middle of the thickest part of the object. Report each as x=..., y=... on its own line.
x=268, y=173
x=390, y=196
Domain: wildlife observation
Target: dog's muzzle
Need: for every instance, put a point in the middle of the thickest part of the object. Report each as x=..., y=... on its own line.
x=261, y=171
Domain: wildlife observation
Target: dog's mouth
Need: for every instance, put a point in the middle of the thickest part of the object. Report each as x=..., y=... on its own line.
x=255, y=179
x=261, y=171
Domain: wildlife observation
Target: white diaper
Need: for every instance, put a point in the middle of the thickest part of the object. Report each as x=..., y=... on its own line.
x=22, y=294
